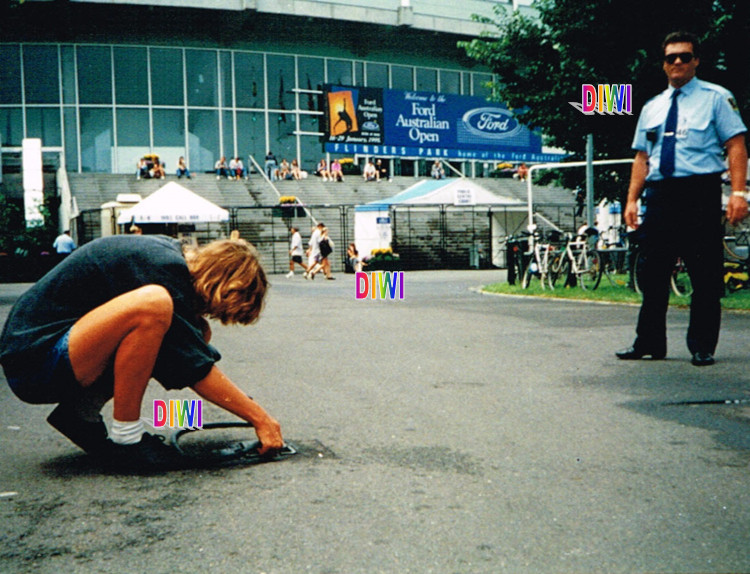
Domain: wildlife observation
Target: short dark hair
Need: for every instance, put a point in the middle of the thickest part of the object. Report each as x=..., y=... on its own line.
x=682, y=36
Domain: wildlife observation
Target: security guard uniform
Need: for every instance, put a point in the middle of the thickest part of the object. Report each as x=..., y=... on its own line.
x=683, y=210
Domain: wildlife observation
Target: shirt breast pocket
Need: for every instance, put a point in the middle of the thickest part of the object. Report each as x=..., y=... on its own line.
x=700, y=132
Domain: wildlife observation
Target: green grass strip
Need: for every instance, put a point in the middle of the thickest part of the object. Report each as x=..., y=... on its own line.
x=608, y=293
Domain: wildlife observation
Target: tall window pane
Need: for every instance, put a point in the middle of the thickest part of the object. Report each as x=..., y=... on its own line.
x=228, y=134
x=203, y=139
x=311, y=73
x=426, y=80
x=166, y=77
x=248, y=77
x=132, y=127
x=377, y=75
x=131, y=81
x=280, y=82
x=94, y=75
x=40, y=75
x=225, y=87
x=359, y=74
x=71, y=138
x=169, y=137
x=96, y=140
x=401, y=78
x=201, y=78
x=450, y=82
x=44, y=123
x=10, y=75
x=132, y=138
x=68, y=61
x=11, y=126
x=251, y=137
x=169, y=128
x=340, y=72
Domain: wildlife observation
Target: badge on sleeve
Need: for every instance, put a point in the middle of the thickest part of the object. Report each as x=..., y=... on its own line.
x=733, y=105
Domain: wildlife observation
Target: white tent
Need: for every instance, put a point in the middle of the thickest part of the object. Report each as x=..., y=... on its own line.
x=372, y=222
x=174, y=204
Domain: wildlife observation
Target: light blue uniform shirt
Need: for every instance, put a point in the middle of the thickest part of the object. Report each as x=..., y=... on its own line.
x=707, y=118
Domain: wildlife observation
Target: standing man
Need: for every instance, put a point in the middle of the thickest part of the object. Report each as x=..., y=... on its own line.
x=679, y=143
x=64, y=244
x=295, y=252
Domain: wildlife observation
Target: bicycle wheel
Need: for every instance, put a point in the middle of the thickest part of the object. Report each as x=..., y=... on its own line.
x=528, y=274
x=738, y=246
x=680, y=280
x=556, y=266
x=591, y=274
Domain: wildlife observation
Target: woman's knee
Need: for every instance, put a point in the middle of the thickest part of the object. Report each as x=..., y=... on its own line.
x=155, y=305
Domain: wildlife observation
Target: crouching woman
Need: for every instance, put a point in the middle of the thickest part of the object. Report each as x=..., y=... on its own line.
x=119, y=311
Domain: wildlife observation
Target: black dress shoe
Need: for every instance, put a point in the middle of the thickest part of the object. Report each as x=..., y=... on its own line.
x=703, y=359
x=633, y=353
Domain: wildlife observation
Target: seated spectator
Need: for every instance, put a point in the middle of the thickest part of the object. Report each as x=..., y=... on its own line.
x=336, y=172
x=182, y=168
x=523, y=172
x=354, y=260
x=158, y=171
x=284, y=171
x=143, y=169
x=370, y=173
x=236, y=169
x=222, y=170
x=437, y=170
x=382, y=167
x=295, y=170
x=322, y=170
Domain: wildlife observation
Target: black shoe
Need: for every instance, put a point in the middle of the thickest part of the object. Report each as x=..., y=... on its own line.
x=151, y=453
x=635, y=353
x=91, y=436
x=703, y=359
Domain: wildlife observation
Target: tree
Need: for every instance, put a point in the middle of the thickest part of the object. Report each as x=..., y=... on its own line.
x=541, y=63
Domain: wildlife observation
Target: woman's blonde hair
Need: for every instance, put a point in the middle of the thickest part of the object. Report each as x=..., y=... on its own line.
x=229, y=280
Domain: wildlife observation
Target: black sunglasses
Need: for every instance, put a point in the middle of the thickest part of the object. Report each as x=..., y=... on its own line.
x=684, y=57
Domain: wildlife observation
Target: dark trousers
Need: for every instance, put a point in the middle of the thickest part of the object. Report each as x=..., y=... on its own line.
x=683, y=219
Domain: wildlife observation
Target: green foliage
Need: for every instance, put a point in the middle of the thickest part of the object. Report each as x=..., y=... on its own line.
x=540, y=64
x=16, y=238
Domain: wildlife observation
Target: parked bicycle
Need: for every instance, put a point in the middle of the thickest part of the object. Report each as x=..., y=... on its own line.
x=543, y=250
x=579, y=261
x=737, y=258
x=679, y=281
x=614, y=253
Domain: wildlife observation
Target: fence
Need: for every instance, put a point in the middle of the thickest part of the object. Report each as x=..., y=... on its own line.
x=425, y=237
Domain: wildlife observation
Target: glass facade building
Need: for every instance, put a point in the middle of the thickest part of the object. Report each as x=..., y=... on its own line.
x=108, y=105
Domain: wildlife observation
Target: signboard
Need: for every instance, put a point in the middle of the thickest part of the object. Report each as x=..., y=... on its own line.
x=374, y=121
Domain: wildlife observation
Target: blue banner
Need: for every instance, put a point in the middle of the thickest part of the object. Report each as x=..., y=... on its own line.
x=430, y=125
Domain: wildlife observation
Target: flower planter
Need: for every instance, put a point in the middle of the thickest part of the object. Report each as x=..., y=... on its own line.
x=288, y=211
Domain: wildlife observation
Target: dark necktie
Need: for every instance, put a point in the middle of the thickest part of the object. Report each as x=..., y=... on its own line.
x=666, y=161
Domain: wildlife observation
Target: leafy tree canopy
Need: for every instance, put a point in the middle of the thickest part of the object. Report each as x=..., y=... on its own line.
x=541, y=63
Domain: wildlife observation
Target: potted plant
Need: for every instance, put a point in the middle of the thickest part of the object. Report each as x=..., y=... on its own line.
x=289, y=207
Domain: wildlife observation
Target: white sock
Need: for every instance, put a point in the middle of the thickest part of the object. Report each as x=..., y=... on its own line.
x=127, y=432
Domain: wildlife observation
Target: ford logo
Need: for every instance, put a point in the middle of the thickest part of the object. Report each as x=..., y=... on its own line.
x=491, y=122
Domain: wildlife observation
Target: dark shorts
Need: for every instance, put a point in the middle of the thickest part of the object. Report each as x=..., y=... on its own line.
x=51, y=381
x=297, y=259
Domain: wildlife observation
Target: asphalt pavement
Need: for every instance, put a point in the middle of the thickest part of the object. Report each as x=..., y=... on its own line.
x=448, y=432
